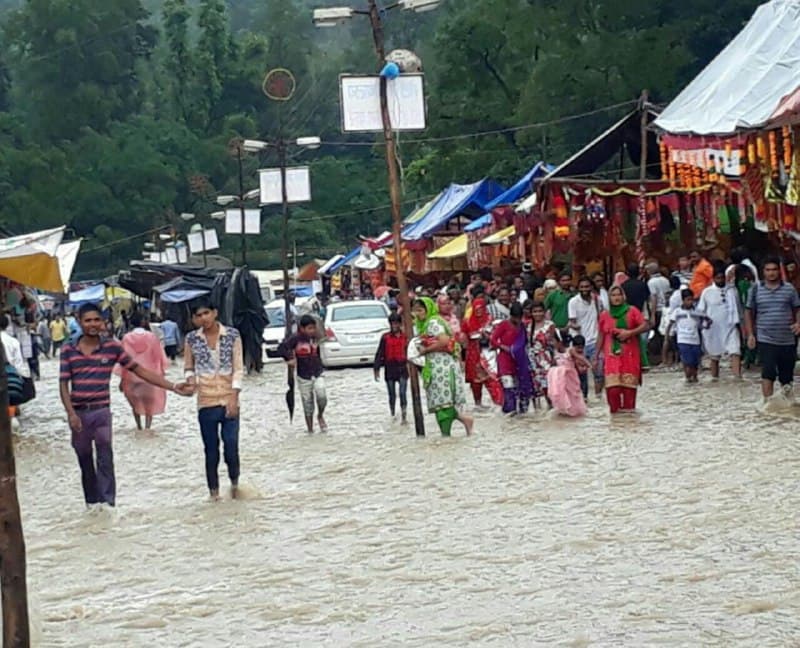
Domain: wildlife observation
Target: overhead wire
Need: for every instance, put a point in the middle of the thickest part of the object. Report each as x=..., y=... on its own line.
x=496, y=131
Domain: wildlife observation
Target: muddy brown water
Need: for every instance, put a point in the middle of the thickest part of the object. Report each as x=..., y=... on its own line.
x=679, y=526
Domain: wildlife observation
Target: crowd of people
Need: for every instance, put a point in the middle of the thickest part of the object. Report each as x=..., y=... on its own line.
x=535, y=341
x=530, y=341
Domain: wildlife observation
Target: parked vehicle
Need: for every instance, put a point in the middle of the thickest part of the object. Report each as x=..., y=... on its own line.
x=353, y=331
x=275, y=330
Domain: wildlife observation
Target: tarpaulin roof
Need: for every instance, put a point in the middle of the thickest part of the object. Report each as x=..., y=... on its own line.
x=744, y=85
x=39, y=260
x=91, y=294
x=182, y=295
x=457, y=200
x=500, y=237
x=454, y=248
x=343, y=261
x=417, y=214
x=626, y=132
x=523, y=187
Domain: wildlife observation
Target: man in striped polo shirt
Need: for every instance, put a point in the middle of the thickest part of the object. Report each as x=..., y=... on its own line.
x=772, y=320
x=86, y=368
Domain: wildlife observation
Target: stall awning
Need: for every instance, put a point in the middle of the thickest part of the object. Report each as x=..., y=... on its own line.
x=746, y=83
x=627, y=132
x=500, y=237
x=39, y=260
x=343, y=261
x=93, y=294
x=455, y=248
x=182, y=295
x=457, y=200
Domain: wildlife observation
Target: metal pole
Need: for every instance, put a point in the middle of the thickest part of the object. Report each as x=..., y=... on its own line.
x=643, y=156
x=241, y=204
x=285, y=235
x=16, y=629
x=397, y=218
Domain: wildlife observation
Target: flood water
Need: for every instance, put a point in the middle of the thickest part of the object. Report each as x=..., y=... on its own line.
x=677, y=527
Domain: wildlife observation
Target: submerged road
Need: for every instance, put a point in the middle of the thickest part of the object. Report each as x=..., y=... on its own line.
x=677, y=527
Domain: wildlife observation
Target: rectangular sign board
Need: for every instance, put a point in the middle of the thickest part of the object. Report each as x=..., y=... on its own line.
x=252, y=221
x=298, y=185
x=361, y=103
x=196, y=241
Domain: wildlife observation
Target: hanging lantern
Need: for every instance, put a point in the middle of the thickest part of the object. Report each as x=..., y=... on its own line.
x=561, y=216
x=787, y=147
x=751, y=152
x=773, y=152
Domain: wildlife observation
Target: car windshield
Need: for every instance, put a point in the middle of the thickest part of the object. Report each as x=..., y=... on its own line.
x=360, y=312
x=276, y=316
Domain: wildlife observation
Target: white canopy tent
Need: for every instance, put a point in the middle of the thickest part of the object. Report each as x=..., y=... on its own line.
x=745, y=84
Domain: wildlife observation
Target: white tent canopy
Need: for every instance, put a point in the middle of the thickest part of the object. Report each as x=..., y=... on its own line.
x=744, y=85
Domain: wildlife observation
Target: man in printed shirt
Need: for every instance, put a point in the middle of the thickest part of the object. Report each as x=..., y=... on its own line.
x=86, y=368
x=214, y=366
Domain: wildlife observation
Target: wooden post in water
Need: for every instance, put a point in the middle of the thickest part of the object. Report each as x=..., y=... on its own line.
x=16, y=629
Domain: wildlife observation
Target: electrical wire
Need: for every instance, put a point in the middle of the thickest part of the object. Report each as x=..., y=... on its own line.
x=497, y=131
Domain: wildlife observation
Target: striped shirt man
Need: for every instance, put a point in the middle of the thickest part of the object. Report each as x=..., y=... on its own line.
x=90, y=375
x=773, y=310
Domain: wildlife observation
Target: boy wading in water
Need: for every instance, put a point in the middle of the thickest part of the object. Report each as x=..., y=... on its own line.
x=391, y=355
x=214, y=369
x=85, y=376
x=302, y=352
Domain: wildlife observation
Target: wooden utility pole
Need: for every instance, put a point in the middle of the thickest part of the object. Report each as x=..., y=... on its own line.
x=397, y=217
x=16, y=629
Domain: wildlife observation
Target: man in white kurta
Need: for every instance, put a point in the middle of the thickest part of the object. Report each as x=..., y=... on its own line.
x=719, y=303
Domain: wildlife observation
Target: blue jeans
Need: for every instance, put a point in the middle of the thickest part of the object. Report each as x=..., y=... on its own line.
x=590, y=351
x=213, y=424
x=392, y=388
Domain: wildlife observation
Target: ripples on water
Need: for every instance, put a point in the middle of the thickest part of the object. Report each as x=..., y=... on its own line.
x=676, y=527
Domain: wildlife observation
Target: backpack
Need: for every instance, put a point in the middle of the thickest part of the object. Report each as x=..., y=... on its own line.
x=16, y=386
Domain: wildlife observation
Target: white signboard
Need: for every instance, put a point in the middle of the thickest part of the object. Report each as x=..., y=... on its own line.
x=252, y=221
x=729, y=165
x=170, y=255
x=361, y=103
x=298, y=185
x=196, y=241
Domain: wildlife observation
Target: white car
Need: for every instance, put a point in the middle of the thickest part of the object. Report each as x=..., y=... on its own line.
x=353, y=331
x=274, y=332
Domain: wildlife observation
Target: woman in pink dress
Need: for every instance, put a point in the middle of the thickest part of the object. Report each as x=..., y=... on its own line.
x=145, y=349
x=563, y=382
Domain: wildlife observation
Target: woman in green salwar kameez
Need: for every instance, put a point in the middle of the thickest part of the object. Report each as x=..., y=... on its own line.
x=441, y=375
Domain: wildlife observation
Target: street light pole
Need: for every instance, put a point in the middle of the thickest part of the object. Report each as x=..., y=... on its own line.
x=241, y=203
x=281, y=145
x=397, y=218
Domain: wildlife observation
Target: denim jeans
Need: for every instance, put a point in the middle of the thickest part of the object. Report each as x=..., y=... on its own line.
x=393, y=386
x=213, y=424
x=97, y=479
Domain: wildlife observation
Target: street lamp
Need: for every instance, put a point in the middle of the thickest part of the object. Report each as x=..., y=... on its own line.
x=281, y=145
x=335, y=16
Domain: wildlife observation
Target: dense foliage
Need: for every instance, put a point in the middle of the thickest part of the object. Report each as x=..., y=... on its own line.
x=117, y=116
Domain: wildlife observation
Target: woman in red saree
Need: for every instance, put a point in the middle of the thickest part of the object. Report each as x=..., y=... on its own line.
x=620, y=328
x=476, y=328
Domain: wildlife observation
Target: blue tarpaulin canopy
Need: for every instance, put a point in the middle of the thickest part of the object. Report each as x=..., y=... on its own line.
x=92, y=294
x=343, y=261
x=182, y=295
x=521, y=189
x=457, y=200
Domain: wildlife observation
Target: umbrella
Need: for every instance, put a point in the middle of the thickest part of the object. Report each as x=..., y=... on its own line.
x=290, y=392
